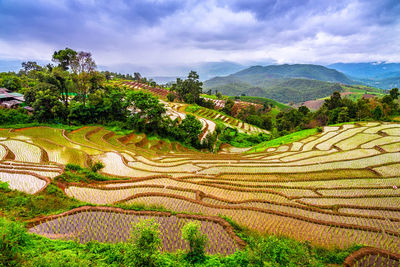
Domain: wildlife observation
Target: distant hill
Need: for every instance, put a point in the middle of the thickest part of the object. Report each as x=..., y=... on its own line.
x=382, y=75
x=387, y=83
x=284, y=83
x=306, y=71
x=370, y=70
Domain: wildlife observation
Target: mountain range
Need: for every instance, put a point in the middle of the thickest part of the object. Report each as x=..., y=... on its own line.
x=377, y=74
x=284, y=83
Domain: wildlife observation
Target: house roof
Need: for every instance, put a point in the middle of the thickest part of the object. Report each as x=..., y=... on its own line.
x=10, y=95
x=11, y=103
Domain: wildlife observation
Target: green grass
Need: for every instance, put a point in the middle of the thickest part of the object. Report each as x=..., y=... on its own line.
x=363, y=89
x=192, y=108
x=20, y=206
x=343, y=123
x=396, y=118
x=283, y=140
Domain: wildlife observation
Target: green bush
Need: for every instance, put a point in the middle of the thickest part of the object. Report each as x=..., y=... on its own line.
x=197, y=241
x=73, y=167
x=97, y=166
x=62, y=258
x=144, y=244
x=4, y=186
x=13, y=237
x=14, y=116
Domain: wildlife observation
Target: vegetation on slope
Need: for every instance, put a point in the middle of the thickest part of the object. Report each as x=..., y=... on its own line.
x=261, y=101
x=308, y=71
x=283, y=83
x=283, y=140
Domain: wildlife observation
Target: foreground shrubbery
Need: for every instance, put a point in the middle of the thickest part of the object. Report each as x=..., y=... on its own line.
x=18, y=248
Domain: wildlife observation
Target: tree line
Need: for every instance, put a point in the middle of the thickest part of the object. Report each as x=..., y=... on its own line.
x=74, y=92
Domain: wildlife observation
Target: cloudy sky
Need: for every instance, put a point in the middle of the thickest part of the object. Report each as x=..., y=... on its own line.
x=162, y=35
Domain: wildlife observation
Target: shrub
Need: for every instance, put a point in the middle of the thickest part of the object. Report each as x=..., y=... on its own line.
x=73, y=167
x=66, y=257
x=97, y=166
x=171, y=97
x=145, y=241
x=4, y=186
x=197, y=242
x=13, y=237
x=14, y=116
x=278, y=251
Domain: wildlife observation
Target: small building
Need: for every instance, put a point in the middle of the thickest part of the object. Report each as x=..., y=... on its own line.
x=10, y=99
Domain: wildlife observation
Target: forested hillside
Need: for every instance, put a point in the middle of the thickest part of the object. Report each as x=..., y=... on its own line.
x=284, y=83
x=285, y=91
x=378, y=74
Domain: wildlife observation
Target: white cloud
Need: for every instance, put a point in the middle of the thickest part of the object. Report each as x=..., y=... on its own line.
x=210, y=30
x=25, y=50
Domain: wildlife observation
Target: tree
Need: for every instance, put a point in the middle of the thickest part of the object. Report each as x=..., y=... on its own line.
x=64, y=57
x=137, y=76
x=10, y=81
x=377, y=113
x=107, y=75
x=305, y=110
x=83, y=68
x=334, y=101
x=30, y=66
x=46, y=105
x=61, y=80
x=188, y=90
x=394, y=93
x=227, y=109
x=171, y=97
x=266, y=122
x=343, y=115
x=147, y=111
x=144, y=243
x=363, y=109
x=192, y=127
x=197, y=241
x=387, y=99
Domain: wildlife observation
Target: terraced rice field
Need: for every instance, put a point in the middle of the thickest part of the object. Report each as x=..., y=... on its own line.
x=113, y=225
x=368, y=256
x=213, y=115
x=335, y=188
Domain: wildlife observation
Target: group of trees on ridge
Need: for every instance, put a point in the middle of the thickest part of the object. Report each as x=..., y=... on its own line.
x=74, y=92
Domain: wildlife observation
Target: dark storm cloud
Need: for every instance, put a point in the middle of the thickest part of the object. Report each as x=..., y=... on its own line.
x=78, y=21
x=173, y=32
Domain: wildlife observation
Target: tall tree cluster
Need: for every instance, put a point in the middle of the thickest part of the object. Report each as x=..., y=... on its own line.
x=188, y=90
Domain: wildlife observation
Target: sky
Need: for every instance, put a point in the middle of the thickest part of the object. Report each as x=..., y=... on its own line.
x=161, y=37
